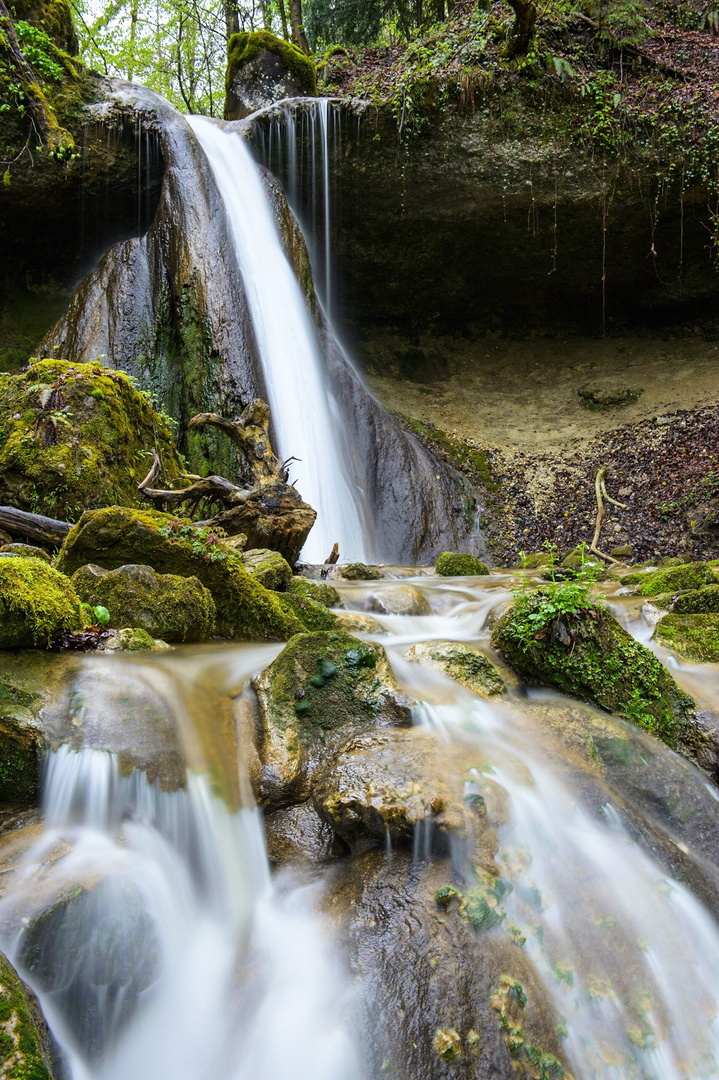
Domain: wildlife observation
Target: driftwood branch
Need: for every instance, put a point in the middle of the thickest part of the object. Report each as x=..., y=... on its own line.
x=600, y=491
x=250, y=432
x=42, y=530
x=211, y=488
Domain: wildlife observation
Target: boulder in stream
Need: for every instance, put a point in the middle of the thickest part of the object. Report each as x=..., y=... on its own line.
x=399, y=599
x=458, y=564
x=166, y=606
x=319, y=591
x=268, y=567
x=358, y=571
x=703, y=601
x=37, y=603
x=674, y=579
x=695, y=637
x=460, y=662
x=321, y=687
x=116, y=536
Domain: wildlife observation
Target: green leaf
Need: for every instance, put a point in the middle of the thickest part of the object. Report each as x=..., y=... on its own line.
x=101, y=614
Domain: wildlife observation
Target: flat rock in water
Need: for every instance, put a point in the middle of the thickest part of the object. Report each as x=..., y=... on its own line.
x=399, y=600
x=461, y=663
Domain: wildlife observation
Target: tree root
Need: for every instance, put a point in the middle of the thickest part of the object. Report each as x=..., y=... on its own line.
x=600, y=490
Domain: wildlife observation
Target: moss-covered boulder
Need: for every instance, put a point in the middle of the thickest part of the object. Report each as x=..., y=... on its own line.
x=262, y=69
x=704, y=601
x=674, y=579
x=358, y=571
x=460, y=662
x=456, y=564
x=76, y=436
x=166, y=606
x=268, y=567
x=134, y=639
x=312, y=615
x=390, y=783
x=399, y=599
x=37, y=603
x=319, y=591
x=28, y=551
x=590, y=655
x=25, y=1043
x=117, y=536
x=321, y=687
x=695, y=637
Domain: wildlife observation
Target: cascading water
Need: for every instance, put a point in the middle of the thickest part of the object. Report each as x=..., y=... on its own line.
x=146, y=920
x=304, y=416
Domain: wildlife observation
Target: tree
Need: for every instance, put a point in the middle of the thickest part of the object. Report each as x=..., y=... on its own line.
x=298, y=29
x=522, y=32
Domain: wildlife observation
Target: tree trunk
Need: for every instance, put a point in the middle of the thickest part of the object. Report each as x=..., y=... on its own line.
x=298, y=31
x=35, y=527
x=132, y=41
x=439, y=10
x=232, y=18
x=418, y=13
x=283, y=20
x=266, y=20
x=522, y=32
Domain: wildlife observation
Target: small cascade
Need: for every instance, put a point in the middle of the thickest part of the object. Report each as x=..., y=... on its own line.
x=305, y=418
x=146, y=921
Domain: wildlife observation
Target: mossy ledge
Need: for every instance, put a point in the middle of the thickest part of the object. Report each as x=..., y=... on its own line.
x=603, y=665
x=22, y=1053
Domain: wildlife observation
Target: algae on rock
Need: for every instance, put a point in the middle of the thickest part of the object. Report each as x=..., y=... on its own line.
x=76, y=436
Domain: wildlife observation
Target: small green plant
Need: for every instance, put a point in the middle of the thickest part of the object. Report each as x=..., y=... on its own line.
x=95, y=616
x=205, y=544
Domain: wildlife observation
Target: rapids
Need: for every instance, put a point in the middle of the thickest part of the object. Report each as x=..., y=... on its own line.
x=187, y=958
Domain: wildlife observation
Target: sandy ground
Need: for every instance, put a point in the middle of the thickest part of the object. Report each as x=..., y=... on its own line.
x=523, y=395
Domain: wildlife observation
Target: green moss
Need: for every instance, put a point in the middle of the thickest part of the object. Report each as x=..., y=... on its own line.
x=695, y=637
x=26, y=550
x=321, y=680
x=312, y=615
x=75, y=436
x=134, y=639
x=602, y=663
x=676, y=579
x=36, y=603
x=268, y=567
x=21, y=1051
x=454, y=564
x=248, y=45
x=319, y=591
x=359, y=572
x=116, y=536
x=167, y=606
x=702, y=601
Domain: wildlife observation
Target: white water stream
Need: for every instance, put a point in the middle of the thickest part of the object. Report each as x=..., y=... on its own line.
x=303, y=413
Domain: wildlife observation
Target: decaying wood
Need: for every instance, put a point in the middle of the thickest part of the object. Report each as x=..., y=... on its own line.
x=250, y=433
x=600, y=490
x=209, y=488
x=333, y=556
x=35, y=527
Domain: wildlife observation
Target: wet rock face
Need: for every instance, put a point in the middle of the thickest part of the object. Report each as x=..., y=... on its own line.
x=388, y=784
x=263, y=69
x=164, y=605
x=320, y=687
x=460, y=662
x=430, y=976
x=27, y=1048
x=299, y=834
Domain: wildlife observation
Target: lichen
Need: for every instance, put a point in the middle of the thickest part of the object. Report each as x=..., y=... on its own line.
x=602, y=663
x=36, y=603
x=455, y=564
x=695, y=637
x=76, y=436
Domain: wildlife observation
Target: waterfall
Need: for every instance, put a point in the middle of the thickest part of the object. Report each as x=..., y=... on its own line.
x=304, y=414
x=146, y=921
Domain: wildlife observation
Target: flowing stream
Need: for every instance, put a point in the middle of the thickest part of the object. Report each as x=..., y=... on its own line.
x=165, y=949
x=304, y=415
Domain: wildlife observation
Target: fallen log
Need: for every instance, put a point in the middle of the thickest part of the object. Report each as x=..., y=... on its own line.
x=42, y=530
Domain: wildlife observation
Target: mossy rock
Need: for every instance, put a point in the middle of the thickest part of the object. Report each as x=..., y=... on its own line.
x=456, y=564
x=602, y=664
x=675, y=579
x=399, y=599
x=28, y=551
x=534, y=560
x=319, y=591
x=358, y=622
x=268, y=567
x=24, y=1036
x=77, y=436
x=52, y=16
x=134, y=639
x=704, y=601
x=321, y=687
x=262, y=69
x=312, y=615
x=358, y=571
x=461, y=663
x=117, y=536
x=37, y=603
x=695, y=637
x=167, y=606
